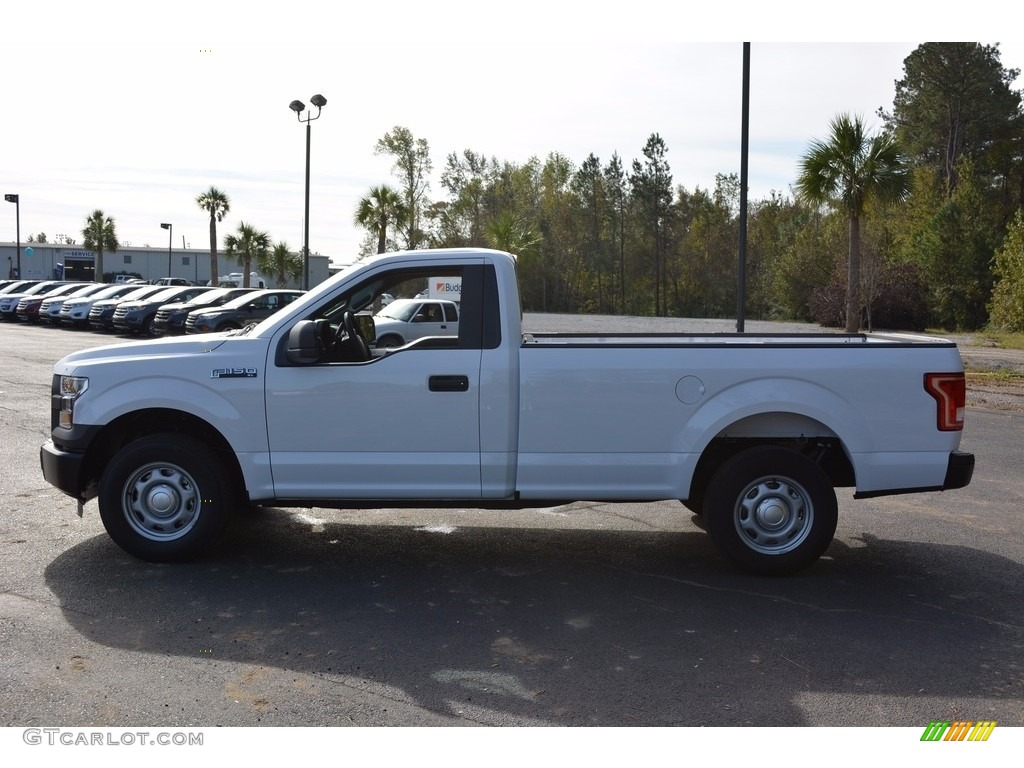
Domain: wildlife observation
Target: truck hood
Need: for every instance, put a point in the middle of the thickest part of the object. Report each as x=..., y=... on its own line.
x=137, y=350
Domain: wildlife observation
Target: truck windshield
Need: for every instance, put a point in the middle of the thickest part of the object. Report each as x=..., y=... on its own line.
x=400, y=309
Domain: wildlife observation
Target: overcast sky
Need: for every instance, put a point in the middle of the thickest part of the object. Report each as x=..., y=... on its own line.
x=136, y=111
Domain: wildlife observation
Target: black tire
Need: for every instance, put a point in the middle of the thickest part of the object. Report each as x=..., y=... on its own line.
x=390, y=340
x=771, y=510
x=165, y=498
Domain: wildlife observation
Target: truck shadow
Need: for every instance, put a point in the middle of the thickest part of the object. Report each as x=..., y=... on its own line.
x=567, y=627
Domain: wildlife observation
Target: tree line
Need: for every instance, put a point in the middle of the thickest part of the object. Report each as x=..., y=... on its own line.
x=918, y=225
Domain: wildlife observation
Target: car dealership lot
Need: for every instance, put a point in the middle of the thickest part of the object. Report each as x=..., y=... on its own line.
x=587, y=614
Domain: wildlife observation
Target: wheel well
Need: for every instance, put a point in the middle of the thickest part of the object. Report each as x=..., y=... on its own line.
x=826, y=451
x=132, y=426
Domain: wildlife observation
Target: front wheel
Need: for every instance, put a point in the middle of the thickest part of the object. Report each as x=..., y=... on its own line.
x=165, y=498
x=771, y=510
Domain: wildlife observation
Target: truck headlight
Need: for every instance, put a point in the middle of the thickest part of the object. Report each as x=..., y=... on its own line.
x=71, y=388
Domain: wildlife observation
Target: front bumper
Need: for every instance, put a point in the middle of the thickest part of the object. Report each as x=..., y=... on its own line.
x=129, y=323
x=62, y=469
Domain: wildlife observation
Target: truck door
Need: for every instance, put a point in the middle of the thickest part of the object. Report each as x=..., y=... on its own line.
x=404, y=425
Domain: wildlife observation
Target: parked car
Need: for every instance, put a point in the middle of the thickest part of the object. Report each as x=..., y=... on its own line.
x=28, y=306
x=169, y=281
x=405, y=320
x=74, y=311
x=17, y=286
x=138, y=316
x=101, y=316
x=9, y=301
x=241, y=311
x=170, y=318
x=51, y=306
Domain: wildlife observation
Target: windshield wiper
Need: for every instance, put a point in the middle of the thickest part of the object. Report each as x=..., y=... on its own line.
x=242, y=331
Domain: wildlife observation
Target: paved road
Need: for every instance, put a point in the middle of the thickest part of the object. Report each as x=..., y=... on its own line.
x=588, y=614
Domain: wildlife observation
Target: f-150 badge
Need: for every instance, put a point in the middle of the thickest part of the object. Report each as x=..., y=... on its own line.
x=233, y=373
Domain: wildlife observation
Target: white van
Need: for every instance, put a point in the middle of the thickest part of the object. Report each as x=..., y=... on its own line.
x=235, y=279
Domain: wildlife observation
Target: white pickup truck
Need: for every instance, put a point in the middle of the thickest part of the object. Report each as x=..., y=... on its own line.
x=404, y=320
x=753, y=432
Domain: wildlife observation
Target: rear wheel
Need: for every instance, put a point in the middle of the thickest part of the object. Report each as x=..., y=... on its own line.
x=771, y=510
x=165, y=498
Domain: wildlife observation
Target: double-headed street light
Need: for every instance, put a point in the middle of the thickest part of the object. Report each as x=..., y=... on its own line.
x=170, y=237
x=17, y=225
x=297, y=107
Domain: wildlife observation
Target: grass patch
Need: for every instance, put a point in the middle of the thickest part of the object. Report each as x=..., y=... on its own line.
x=995, y=375
x=990, y=338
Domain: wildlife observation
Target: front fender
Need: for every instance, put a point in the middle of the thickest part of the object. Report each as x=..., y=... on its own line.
x=233, y=406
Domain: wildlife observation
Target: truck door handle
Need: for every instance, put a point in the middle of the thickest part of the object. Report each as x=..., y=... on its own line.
x=448, y=383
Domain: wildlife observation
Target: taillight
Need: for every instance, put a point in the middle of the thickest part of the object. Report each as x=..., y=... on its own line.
x=950, y=393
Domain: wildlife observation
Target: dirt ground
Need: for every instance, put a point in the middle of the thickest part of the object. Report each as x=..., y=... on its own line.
x=995, y=376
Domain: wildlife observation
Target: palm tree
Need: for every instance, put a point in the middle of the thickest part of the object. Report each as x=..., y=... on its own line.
x=377, y=210
x=513, y=234
x=281, y=263
x=846, y=171
x=218, y=205
x=508, y=232
x=248, y=244
x=99, y=235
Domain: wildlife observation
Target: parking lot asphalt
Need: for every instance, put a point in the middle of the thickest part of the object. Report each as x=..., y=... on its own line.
x=584, y=614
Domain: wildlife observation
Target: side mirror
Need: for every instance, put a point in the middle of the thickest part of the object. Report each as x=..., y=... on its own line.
x=302, y=347
x=367, y=326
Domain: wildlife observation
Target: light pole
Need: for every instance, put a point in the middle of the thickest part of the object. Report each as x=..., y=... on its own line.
x=170, y=237
x=297, y=107
x=17, y=224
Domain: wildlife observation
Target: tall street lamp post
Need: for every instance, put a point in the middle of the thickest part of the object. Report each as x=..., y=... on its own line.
x=17, y=225
x=170, y=237
x=297, y=107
